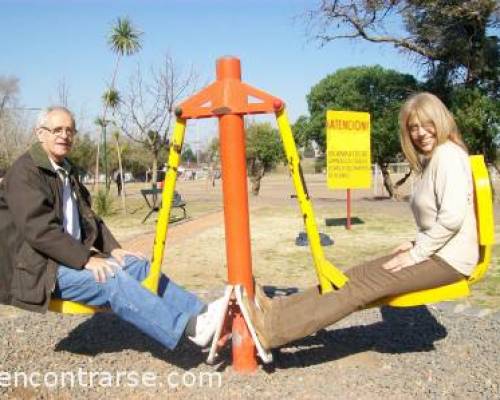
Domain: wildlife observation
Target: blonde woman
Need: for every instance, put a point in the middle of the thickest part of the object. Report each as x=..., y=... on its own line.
x=445, y=248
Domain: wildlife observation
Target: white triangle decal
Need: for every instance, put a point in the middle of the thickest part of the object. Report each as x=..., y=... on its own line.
x=254, y=100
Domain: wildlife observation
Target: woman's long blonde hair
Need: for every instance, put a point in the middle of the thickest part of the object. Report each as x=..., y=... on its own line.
x=427, y=108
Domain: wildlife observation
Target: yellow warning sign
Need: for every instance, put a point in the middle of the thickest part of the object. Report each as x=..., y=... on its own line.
x=348, y=158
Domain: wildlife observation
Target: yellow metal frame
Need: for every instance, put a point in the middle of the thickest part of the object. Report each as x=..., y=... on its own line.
x=331, y=278
x=152, y=280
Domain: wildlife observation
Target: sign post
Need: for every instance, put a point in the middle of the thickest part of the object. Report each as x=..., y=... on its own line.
x=348, y=152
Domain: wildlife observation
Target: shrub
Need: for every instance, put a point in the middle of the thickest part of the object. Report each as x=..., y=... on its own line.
x=319, y=164
x=103, y=203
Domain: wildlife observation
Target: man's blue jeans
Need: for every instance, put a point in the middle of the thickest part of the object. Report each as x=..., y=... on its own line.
x=163, y=317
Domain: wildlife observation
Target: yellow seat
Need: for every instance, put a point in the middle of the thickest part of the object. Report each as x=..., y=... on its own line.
x=486, y=231
x=73, y=307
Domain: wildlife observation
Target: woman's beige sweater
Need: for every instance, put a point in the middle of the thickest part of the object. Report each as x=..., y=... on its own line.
x=443, y=207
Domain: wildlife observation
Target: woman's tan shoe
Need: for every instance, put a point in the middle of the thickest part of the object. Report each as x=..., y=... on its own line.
x=261, y=299
x=257, y=317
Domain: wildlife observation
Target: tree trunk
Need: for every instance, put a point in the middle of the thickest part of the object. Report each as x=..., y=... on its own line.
x=256, y=184
x=154, y=173
x=122, y=194
x=211, y=176
x=107, y=180
x=256, y=174
x=115, y=71
x=402, y=180
x=96, y=170
x=387, y=179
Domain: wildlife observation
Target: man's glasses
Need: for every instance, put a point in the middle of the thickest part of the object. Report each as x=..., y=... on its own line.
x=59, y=131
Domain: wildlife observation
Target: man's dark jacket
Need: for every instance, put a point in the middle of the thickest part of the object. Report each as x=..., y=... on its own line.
x=32, y=239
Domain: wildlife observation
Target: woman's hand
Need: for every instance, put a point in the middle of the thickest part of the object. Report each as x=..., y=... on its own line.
x=398, y=262
x=405, y=246
x=120, y=254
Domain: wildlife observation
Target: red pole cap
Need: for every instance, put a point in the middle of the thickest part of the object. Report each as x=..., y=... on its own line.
x=278, y=105
x=228, y=67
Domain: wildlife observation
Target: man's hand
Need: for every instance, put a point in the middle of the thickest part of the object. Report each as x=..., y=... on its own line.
x=405, y=246
x=398, y=262
x=101, y=268
x=119, y=255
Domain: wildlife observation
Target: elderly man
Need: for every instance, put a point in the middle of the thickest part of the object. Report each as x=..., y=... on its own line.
x=53, y=245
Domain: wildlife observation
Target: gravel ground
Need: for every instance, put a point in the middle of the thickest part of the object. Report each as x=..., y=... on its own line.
x=442, y=352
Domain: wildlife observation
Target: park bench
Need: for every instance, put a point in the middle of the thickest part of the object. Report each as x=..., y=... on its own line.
x=152, y=197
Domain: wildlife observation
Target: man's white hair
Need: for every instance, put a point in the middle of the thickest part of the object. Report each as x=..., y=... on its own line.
x=44, y=114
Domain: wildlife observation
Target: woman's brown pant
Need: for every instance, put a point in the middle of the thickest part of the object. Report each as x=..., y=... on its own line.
x=293, y=317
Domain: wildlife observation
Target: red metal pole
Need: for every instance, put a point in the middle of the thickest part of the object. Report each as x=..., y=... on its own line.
x=236, y=216
x=348, y=200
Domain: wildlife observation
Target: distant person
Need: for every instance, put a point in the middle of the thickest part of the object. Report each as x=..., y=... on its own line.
x=211, y=176
x=53, y=245
x=444, y=251
x=118, y=181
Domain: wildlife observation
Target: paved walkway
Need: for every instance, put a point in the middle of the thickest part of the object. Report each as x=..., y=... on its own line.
x=177, y=233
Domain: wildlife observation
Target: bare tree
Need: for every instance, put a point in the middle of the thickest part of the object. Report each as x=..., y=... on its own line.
x=360, y=19
x=146, y=109
x=63, y=92
x=9, y=89
x=450, y=39
x=14, y=122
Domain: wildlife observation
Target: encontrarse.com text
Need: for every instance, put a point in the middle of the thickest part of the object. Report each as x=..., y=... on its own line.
x=84, y=378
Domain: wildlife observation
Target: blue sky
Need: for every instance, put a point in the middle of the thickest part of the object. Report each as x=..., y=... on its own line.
x=46, y=41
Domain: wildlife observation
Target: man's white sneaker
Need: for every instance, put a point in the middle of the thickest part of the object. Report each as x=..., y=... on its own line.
x=201, y=328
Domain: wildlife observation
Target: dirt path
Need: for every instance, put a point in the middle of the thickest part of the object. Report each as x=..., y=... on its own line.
x=176, y=234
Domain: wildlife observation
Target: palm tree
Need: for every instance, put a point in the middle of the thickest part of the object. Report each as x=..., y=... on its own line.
x=111, y=100
x=99, y=122
x=123, y=39
x=116, y=136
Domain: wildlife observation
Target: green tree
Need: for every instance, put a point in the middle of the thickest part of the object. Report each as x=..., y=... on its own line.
x=135, y=159
x=300, y=131
x=213, y=151
x=83, y=153
x=263, y=151
x=451, y=38
x=372, y=89
x=478, y=119
x=454, y=41
x=188, y=154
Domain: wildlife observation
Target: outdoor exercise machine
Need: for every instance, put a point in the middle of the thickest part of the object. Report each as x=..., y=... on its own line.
x=229, y=99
